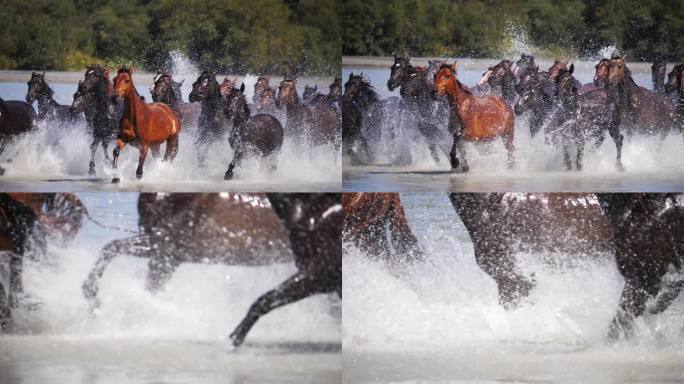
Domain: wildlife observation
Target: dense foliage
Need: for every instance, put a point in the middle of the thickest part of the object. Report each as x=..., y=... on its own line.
x=258, y=36
x=644, y=29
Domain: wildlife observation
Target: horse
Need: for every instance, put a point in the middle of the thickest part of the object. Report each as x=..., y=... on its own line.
x=227, y=86
x=472, y=118
x=600, y=77
x=658, y=70
x=369, y=217
x=498, y=80
x=48, y=108
x=647, y=246
x=361, y=112
x=500, y=224
x=639, y=229
x=323, y=121
x=313, y=223
x=416, y=92
x=579, y=117
x=93, y=98
x=537, y=95
x=295, y=110
x=165, y=90
x=211, y=122
x=259, y=135
x=236, y=229
x=143, y=125
x=259, y=87
x=640, y=109
x=675, y=84
x=27, y=220
x=335, y=90
x=309, y=93
x=266, y=103
x=231, y=229
x=522, y=66
x=16, y=118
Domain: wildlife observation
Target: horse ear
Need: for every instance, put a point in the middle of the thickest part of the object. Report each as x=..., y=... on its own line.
x=43, y=73
x=131, y=69
x=242, y=87
x=453, y=67
x=315, y=87
x=351, y=74
x=572, y=68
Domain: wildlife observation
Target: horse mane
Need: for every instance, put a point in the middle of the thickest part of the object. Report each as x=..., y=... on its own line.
x=463, y=87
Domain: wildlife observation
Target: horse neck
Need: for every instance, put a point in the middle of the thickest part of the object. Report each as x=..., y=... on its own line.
x=212, y=105
x=133, y=105
x=46, y=103
x=295, y=108
x=457, y=96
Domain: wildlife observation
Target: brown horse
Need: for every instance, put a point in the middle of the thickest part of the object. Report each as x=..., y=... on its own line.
x=26, y=220
x=368, y=216
x=472, y=118
x=143, y=125
x=295, y=110
x=641, y=110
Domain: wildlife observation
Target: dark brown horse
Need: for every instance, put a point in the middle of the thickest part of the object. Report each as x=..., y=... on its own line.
x=472, y=118
x=368, y=217
x=260, y=135
x=237, y=229
x=165, y=90
x=323, y=121
x=232, y=229
x=313, y=223
x=658, y=70
x=260, y=86
x=16, y=119
x=27, y=220
x=600, y=76
x=641, y=110
x=295, y=110
x=144, y=125
x=675, y=85
x=94, y=98
x=48, y=108
x=498, y=80
x=641, y=229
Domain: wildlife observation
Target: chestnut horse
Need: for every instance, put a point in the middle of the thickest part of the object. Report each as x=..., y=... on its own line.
x=473, y=118
x=143, y=125
x=368, y=216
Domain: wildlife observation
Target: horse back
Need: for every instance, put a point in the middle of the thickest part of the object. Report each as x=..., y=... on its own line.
x=162, y=116
x=265, y=133
x=19, y=118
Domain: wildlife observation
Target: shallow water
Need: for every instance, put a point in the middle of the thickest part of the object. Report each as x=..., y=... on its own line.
x=55, y=158
x=650, y=164
x=176, y=335
x=440, y=321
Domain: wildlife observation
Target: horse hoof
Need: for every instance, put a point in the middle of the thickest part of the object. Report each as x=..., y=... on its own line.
x=2, y=171
x=116, y=180
x=91, y=172
x=228, y=176
x=138, y=175
x=235, y=341
x=466, y=168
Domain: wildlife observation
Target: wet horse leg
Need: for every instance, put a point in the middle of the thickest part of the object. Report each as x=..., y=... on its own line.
x=3, y=144
x=237, y=159
x=566, y=157
x=93, y=151
x=171, y=148
x=5, y=312
x=135, y=246
x=614, y=131
x=297, y=287
x=494, y=259
x=16, y=286
x=403, y=239
x=632, y=305
x=160, y=269
x=510, y=149
x=453, y=157
x=141, y=160
x=580, y=153
x=105, y=146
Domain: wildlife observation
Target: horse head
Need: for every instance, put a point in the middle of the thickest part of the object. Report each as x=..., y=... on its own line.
x=399, y=71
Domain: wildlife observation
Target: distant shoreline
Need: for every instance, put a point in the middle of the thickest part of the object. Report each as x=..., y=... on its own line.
x=476, y=64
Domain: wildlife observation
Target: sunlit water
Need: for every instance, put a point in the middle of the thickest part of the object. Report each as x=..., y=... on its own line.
x=177, y=335
x=650, y=164
x=440, y=321
x=56, y=158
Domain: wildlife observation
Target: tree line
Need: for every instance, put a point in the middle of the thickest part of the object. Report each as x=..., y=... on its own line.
x=237, y=36
x=644, y=29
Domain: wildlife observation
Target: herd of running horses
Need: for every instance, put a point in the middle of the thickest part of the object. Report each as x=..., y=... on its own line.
x=232, y=229
x=565, y=111
x=641, y=230
x=114, y=111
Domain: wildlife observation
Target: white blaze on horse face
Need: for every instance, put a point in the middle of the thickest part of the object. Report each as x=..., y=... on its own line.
x=485, y=77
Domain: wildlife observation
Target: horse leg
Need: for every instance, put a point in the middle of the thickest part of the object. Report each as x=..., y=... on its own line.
x=297, y=287
x=136, y=246
x=141, y=160
x=5, y=311
x=403, y=239
x=93, y=151
x=160, y=269
x=156, y=150
x=16, y=286
x=632, y=304
x=105, y=146
x=614, y=131
x=566, y=158
x=461, y=148
x=510, y=148
x=171, y=148
x=580, y=152
x=498, y=263
x=3, y=144
x=453, y=157
x=237, y=159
